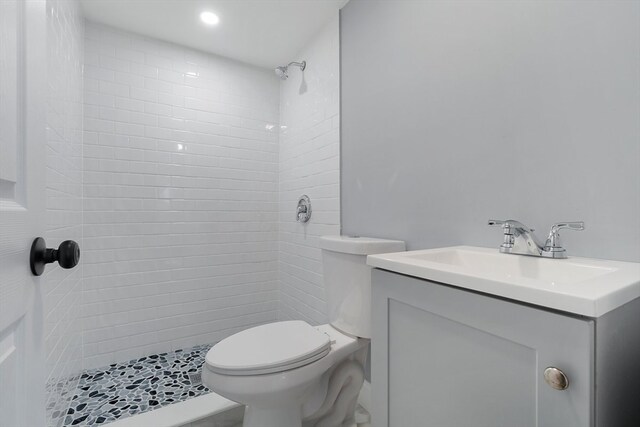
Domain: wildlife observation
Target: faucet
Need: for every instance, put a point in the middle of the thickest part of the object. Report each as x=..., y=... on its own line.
x=519, y=239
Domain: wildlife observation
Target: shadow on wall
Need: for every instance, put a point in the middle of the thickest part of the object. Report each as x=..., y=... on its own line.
x=303, y=85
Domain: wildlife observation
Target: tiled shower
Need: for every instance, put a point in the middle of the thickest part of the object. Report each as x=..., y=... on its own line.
x=177, y=172
x=180, y=196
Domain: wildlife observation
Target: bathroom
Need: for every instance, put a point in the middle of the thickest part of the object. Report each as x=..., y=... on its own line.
x=311, y=213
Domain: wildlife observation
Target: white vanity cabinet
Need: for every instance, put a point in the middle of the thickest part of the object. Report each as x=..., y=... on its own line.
x=444, y=356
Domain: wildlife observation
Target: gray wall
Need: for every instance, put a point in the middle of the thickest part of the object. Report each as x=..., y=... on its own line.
x=457, y=112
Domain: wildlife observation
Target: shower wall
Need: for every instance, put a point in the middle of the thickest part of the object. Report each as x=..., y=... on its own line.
x=309, y=164
x=180, y=196
x=62, y=288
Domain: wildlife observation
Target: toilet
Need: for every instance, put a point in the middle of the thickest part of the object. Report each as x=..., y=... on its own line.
x=292, y=374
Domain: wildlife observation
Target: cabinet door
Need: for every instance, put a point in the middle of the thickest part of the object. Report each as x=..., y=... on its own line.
x=447, y=357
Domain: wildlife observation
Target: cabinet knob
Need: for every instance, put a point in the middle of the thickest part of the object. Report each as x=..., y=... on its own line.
x=556, y=378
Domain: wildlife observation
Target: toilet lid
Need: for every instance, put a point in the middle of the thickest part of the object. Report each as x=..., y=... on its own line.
x=274, y=347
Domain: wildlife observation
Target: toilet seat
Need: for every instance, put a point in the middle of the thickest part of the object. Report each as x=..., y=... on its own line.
x=270, y=348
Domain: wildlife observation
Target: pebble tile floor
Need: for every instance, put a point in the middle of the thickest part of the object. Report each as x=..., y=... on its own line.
x=124, y=389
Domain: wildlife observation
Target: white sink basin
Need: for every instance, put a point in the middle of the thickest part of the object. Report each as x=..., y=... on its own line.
x=494, y=264
x=590, y=287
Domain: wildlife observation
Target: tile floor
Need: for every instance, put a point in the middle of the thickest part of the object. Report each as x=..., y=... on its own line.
x=124, y=389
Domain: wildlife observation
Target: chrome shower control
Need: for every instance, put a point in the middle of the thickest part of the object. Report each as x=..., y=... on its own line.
x=303, y=211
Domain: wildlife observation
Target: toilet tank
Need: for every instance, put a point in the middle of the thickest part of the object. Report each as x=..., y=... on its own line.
x=347, y=280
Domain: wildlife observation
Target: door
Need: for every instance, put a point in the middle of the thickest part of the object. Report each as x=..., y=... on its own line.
x=446, y=357
x=22, y=201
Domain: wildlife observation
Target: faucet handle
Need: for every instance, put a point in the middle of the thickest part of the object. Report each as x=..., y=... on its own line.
x=553, y=246
x=576, y=225
x=553, y=241
x=507, y=229
x=506, y=225
x=509, y=224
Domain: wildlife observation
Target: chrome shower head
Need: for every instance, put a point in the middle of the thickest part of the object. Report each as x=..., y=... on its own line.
x=283, y=71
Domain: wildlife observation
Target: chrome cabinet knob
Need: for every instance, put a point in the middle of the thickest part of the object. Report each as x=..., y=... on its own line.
x=556, y=378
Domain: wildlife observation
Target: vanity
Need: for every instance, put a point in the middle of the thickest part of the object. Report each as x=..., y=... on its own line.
x=468, y=336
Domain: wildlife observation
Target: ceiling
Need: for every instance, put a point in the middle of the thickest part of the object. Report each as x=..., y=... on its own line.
x=266, y=33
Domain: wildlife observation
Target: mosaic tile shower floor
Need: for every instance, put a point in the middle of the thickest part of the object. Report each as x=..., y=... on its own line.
x=124, y=389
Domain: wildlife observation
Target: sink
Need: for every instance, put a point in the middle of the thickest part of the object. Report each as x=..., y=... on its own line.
x=495, y=264
x=589, y=287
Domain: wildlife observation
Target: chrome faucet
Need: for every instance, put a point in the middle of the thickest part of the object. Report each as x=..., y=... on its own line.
x=519, y=239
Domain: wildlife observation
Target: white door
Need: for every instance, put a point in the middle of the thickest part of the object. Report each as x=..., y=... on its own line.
x=22, y=202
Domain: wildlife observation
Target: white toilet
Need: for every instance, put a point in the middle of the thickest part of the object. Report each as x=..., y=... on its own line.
x=290, y=374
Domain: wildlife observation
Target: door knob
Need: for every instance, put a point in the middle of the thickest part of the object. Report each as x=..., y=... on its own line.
x=67, y=255
x=556, y=378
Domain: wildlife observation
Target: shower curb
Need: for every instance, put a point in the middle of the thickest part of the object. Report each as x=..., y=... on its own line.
x=179, y=414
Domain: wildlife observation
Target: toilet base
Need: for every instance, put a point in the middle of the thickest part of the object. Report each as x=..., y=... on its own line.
x=338, y=405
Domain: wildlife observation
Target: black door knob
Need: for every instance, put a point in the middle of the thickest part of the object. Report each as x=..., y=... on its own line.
x=67, y=255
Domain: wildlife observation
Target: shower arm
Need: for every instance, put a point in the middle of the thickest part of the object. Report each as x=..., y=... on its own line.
x=302, y=64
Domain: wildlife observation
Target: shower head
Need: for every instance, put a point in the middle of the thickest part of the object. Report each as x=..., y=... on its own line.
x=283, y=71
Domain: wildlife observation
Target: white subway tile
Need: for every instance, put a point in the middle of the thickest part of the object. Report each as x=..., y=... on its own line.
x=180, y=225
x=64, y=116
x=188, y=232
x=144, y=94
x=308, y=164
x=129, y=79
x=111, y=63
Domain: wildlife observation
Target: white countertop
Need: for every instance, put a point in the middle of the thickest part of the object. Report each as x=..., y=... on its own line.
x=585, y=286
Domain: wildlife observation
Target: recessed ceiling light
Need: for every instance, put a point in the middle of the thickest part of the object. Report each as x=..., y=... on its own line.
x=209, y=18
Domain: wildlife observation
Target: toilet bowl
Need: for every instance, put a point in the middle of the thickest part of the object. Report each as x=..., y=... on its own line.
x=292, y=374
x=281, y=395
